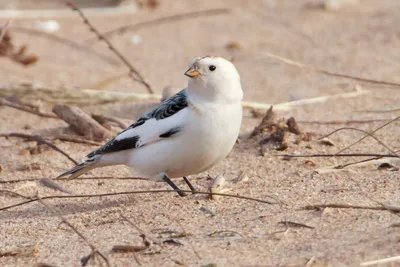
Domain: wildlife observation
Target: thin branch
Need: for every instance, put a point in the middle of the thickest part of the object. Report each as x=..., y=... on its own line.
x=27, y=109
x=67, y=42
x=302, y=102
x=344, y=122
x=121, y=124
x=64, y=220
x=59, y=13
x=157, y=21
x=338, y=155
x=90, y=96
x=374, y=131
x=13, y=193
x=295, y=224
x=381, y=261
x=367, y=133
x=75, y=139
x=349, y=206
x=326, y=72
x=68, y=180
x=40, y=140
x=137, y=192
x=74, y=96
x=380, y=111
x=133, y=71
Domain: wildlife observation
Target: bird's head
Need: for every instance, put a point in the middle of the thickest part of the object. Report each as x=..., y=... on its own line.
x=214, y=79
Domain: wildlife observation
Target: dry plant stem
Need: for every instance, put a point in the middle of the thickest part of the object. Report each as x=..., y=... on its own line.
x=184, y=232
x=374, y=131
x=4, y=29
x=75, y=139
x=81, y=122
x=381, y=261
x=133, y=71
x=64, y=13
x=138, y=192
x=64, y=220
x=326, y=72
x=339, y=155
x=115, y=120
x=367, y=133
x=27, y=109
x=295, y=224
x=40, y=140
x=363, y=162
x=142, y=233
x=14, y=193
x=349, y=206
x=157, y=21
x=380, y=111
x=87, y=49
x=90, y=96
x=80, y=178
x=74, y=96
x=344, y=122
x=314, y=100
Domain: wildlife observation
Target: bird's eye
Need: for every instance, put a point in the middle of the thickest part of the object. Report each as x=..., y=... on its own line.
x=212, y=68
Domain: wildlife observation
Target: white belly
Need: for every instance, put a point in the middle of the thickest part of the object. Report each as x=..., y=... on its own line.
x=206, y=139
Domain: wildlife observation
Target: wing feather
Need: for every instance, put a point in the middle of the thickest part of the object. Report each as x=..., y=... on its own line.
x=162, y=122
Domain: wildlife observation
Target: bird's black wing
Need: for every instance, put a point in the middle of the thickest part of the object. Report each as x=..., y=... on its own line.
x=166, y=109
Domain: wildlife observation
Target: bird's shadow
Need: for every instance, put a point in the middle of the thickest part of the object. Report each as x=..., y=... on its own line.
x=77, y=207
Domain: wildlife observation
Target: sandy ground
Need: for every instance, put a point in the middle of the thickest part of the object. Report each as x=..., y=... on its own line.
x=361, y=40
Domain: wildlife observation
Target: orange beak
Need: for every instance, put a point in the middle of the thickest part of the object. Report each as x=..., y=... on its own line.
x=192, y=73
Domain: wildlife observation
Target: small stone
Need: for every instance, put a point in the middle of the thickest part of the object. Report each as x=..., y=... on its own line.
x=233, y=45
x=24, y=152
x=136, y=39
x=48, y=26
x=325, y=141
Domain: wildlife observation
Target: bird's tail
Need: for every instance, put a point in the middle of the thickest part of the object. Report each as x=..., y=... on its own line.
x=82, y=167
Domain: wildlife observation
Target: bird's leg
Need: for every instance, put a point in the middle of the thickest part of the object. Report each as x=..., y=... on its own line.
x=189, y=184
x=176, y=188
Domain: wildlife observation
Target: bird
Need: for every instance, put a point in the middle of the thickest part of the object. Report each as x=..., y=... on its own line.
x=186, y=134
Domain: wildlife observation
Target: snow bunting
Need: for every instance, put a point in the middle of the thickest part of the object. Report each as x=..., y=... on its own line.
x=186, y=134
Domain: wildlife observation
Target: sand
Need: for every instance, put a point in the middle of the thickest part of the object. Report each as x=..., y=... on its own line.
x=360, y=40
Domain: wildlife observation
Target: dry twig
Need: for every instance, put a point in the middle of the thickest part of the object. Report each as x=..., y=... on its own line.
x=81, y=122
x=75, y=139
x=374, y=131
x=381, y=261
x=349, y=206
x=338, y=155
x=28, y=109
x=367, y=133
x=134, y=73
x=137, y=192
x=40, y=140
x=157, y=21
x=345, y=122
x=107, y=119
x=64, y=220
x=295, y=224
x=90, y=96
x=380, y=111
x=64, y=13
x=68, y=180
x=326, y=72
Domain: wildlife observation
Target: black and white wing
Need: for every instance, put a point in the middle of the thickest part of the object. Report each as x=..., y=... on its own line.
x=162, y=122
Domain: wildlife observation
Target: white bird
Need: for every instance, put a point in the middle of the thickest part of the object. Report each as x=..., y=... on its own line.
x=186, y=134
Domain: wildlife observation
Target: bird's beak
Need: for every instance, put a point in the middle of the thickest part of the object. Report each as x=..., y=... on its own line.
x=192, y=72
